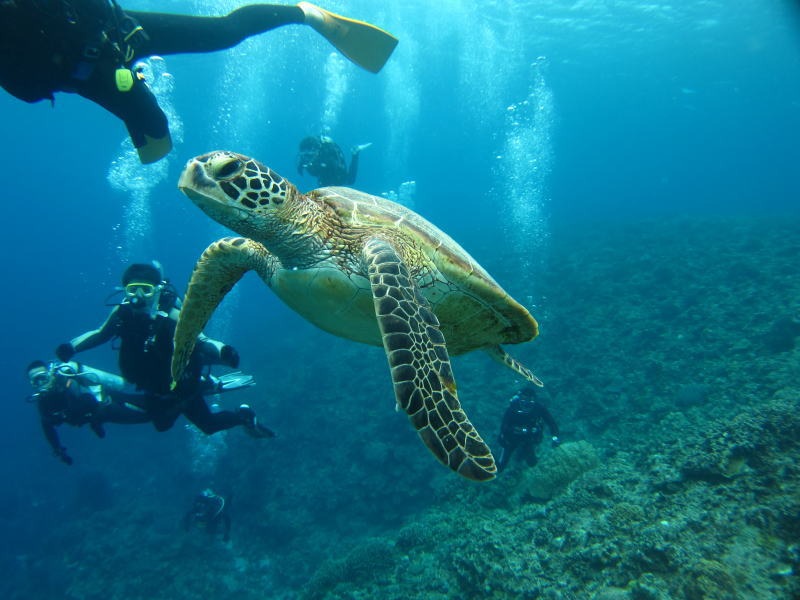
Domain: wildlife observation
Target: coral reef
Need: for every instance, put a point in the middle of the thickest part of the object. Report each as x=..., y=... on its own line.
x=677, y=477
x=783, y=333
x=556, y=470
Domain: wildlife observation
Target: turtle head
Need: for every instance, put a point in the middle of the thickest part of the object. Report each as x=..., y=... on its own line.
x=236, y=191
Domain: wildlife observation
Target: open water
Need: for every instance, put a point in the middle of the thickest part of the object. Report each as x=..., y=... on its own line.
x=568, y=146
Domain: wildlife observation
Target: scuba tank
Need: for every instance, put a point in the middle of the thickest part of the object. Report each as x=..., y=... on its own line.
x=89, y=376
x=109, y=381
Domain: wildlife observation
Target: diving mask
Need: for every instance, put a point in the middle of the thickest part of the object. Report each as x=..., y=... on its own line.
x=41, y=379
x=140, y=289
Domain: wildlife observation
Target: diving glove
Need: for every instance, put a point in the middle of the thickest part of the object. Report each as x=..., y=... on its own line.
x=65, y=352
x=359, y=148
x=61, y=453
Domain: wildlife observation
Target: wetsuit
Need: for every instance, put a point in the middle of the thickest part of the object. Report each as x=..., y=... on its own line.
x=523, y=428
x=324, y=159
x=49, y=46
x=145, y=356
x=74, y=404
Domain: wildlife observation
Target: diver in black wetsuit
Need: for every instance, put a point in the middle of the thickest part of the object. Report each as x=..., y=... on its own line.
x=321, y=157
x=145, y=324
x=523, y=427
x=209, y=510
x=79, y=395
x=90, y=47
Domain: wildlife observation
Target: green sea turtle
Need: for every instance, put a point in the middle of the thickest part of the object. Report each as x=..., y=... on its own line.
x=363, y=268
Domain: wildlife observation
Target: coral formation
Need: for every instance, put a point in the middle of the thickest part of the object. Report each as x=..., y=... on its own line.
x=556, y=470
x=677, y=477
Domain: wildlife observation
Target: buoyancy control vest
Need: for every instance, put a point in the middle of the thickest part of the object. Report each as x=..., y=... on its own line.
x=145, y=348
x=52, y=45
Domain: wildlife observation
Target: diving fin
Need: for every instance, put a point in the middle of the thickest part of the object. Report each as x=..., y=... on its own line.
x=366, y=45
x=154, y=149
x=234, y=381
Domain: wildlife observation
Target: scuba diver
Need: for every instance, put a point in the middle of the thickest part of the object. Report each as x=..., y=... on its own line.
x=322, y=158
x=523, y=427
x=209, y=510
x=78, y=395
x=90, y=47
x=144, y=323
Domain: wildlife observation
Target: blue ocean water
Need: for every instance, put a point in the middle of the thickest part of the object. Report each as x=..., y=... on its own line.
x=516, y=120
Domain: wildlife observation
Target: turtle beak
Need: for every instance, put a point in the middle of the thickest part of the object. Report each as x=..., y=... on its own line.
x=199, y=187
x=202, y=189
x=196, y=183
x=191, y=176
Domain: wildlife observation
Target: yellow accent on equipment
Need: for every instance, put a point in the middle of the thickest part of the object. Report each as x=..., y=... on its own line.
x=366, y=45
x=133, y=32
x=124, y=79
x=154, y=149
x=141, y=288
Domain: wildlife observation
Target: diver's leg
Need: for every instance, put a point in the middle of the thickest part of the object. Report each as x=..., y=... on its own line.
x=366, y=45
x=179, y=34
x=97, y=427
x=226, y=536
x=138, y=108
x=164, y=419
x=162, y=410
x=351, y=174
x=530, y=454
x=125, y=409
x=197, y=412
x=505, y=456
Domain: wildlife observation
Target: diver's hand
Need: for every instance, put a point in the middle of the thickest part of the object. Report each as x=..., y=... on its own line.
x=65, y=351
x=229, y=356
x=98, y=429
x=357, y=149
x=61, y=453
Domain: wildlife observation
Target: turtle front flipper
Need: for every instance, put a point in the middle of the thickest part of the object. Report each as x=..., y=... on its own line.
x=420, y=364
x=221, y=265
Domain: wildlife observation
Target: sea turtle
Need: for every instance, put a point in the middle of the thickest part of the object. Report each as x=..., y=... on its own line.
x=363, y=268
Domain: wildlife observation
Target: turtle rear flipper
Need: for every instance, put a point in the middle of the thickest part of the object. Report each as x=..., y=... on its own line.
x=420, y=365
x=366, y=45
x=221, y=265
x=503, y=357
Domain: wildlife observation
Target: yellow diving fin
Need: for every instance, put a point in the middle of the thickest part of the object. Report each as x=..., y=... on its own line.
x=366, y=45
x=154, y=149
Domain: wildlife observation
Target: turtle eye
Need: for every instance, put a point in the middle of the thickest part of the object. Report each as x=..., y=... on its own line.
x=228, y=169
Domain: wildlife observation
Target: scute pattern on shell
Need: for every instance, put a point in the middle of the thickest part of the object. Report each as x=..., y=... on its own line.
x=367, y=269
